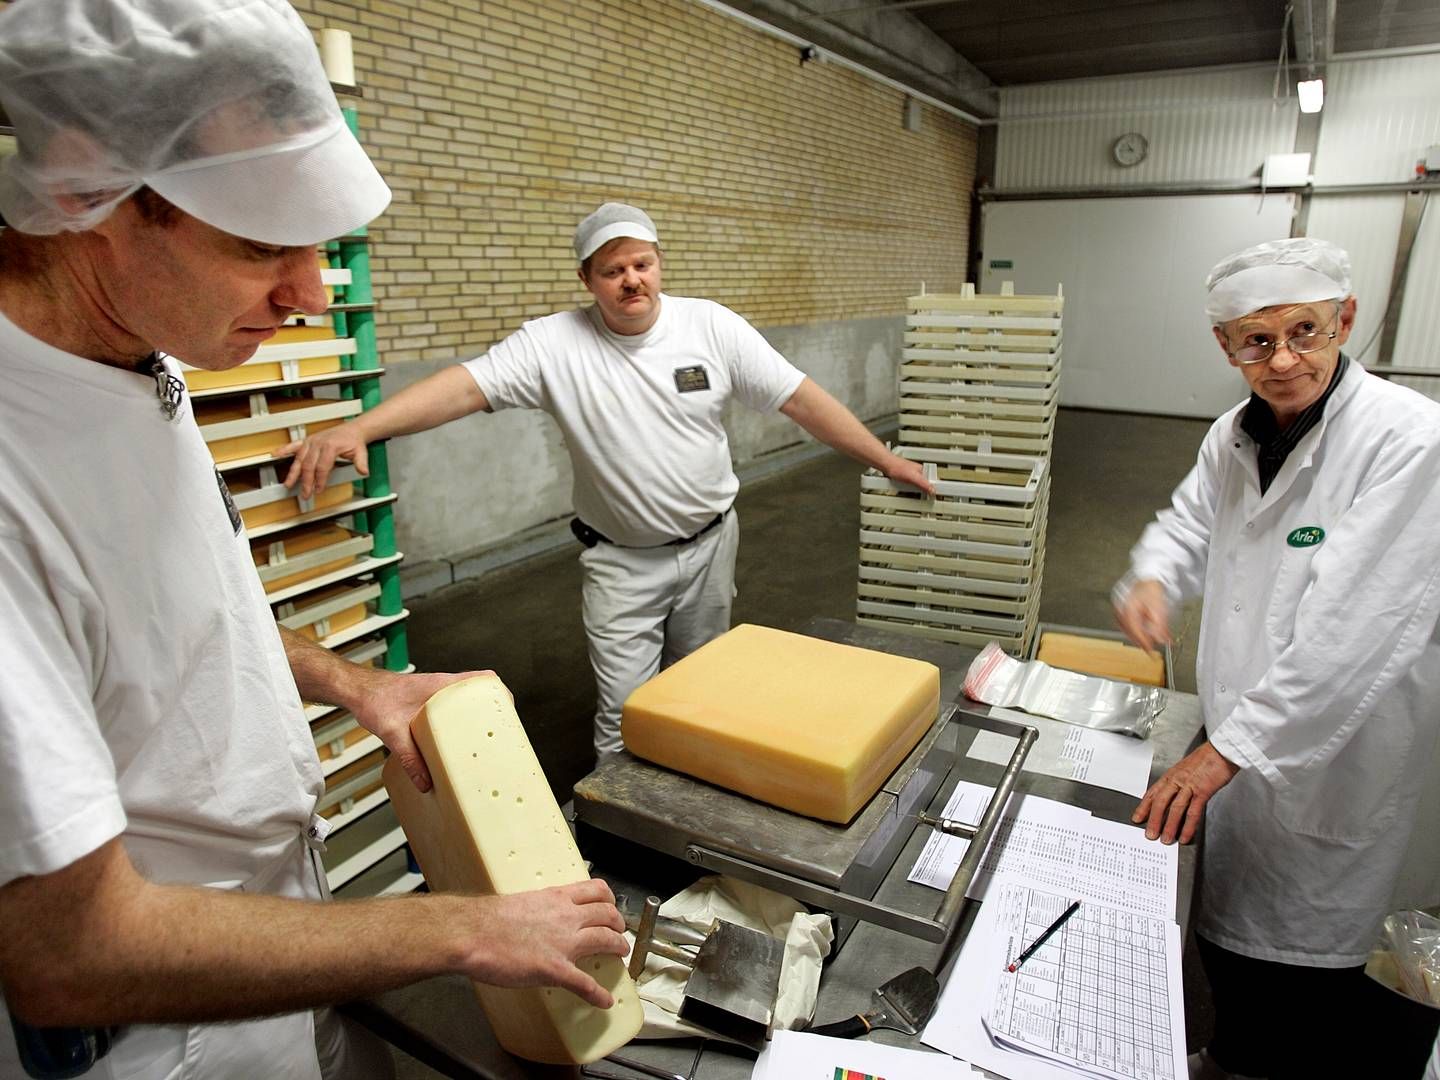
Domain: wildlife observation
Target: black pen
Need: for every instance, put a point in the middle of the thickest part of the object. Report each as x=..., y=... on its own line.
x=1045, y=936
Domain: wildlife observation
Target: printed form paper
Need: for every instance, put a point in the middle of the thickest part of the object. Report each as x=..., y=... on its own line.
x=958, y=1024
x=1103, y=995
x=1052, y=843
x=1071, y=752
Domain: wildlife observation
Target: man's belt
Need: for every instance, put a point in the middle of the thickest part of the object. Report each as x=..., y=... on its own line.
x=590, y=537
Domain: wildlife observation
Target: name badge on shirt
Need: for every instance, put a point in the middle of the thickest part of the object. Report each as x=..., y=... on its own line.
x=231, y=509
x=690, y=379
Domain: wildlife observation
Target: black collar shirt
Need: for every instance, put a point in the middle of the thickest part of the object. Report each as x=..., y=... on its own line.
x=1272, y=445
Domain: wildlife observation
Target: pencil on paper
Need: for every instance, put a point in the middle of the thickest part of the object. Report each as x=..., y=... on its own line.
x=1045, y=936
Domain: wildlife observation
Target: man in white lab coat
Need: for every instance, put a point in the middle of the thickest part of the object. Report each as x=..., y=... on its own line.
x=1311, y=526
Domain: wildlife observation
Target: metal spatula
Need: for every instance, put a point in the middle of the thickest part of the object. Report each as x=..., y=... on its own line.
x=902, y=1004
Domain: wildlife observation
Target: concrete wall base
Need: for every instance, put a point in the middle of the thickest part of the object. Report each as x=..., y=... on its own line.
x=551, y=536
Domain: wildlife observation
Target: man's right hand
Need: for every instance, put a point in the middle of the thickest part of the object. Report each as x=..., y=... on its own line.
x=539, y=938
x=315, y=457
x=1144, y=615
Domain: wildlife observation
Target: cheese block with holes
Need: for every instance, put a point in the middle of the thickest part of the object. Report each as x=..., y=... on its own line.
x=490, y=826
x=808, y=725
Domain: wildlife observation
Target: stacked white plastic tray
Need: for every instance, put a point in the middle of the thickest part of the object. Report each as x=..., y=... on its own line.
x=981, y=372
x=979, y=388
x=964, y=566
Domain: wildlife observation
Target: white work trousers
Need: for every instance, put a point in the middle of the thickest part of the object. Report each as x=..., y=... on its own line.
x=645, y=608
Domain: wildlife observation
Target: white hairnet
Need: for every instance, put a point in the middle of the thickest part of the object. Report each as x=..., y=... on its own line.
x=1294, y=271
x=612, y=221
x=221, y=106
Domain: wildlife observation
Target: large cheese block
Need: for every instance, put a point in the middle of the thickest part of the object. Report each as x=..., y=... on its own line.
x=262, y=370
x=490, y=826
x=274, y=435
x=812, y=726
x=302, y=542
x=281, y=509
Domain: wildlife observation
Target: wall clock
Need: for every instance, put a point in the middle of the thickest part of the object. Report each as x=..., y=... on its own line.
x=1130, y=149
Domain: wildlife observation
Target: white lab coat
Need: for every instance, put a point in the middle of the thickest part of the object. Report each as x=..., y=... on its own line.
x=1318, y=665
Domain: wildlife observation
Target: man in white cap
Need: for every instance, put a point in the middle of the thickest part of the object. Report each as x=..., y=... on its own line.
x=178, y=162
x=1309, y=525
x=637, y=382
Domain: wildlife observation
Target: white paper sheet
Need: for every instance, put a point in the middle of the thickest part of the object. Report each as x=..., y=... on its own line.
x=798, y=1055
x=1063, y=846
x=1027, y=837
x=957, y=1026
x=1103, y=995
x=1070, y=752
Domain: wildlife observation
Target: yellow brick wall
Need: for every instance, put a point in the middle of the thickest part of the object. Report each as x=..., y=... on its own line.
x=793, y=194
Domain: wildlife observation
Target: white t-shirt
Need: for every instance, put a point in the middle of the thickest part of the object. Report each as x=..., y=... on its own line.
x=145, y=692
x=641, y=414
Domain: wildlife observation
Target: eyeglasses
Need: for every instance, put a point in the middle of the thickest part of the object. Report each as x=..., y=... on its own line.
x=1299, y=343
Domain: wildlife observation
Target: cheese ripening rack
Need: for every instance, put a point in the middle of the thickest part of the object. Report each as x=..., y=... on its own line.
x=965, y=565
x=328, y=564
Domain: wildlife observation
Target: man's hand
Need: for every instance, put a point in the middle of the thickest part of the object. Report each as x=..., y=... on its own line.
x=1175, y=804
x=538, y=939
x=385, y=702
x=904, y=471
x=1144, y=615
x=315, y=457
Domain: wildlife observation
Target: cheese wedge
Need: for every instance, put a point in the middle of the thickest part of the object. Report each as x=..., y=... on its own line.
x=809, y=725
x=1101, y=656
x=490, y=826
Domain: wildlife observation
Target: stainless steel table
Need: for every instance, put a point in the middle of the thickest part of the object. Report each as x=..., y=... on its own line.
x=444, y=1012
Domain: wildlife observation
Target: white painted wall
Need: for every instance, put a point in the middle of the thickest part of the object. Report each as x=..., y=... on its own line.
x=1133, y=271
x=1380, y=114
x=1218, y=127
x=1202, y=127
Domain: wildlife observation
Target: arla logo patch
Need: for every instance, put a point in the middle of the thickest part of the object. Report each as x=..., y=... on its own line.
x=1306, y=536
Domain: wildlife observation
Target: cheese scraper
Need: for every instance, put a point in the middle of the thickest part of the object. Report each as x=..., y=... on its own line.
x=902, y=1004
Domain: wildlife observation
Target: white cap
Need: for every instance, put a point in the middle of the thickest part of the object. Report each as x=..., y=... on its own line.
x=612, y=221
x=220, y=106
x=1294, y=271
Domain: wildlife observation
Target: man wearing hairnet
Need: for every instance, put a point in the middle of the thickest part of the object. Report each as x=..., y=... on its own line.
x=178, y=162
x=1311, y=526
x=638, y=382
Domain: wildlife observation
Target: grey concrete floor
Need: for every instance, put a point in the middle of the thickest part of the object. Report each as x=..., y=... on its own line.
x=798, y=550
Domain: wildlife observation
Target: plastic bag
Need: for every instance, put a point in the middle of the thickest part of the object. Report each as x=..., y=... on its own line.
x=1414, y=940
x=1083, y=700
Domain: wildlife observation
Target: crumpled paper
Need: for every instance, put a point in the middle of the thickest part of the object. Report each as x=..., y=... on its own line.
x=807, y=940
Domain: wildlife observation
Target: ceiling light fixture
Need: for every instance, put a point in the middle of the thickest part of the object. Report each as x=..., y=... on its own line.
x=1311, y=91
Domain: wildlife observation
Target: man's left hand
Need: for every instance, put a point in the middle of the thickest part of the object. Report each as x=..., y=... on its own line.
x=1175, y=804
x=904, y=471
x=386, y=702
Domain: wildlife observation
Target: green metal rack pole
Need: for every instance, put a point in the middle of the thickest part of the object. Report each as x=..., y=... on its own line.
x=355, y=257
